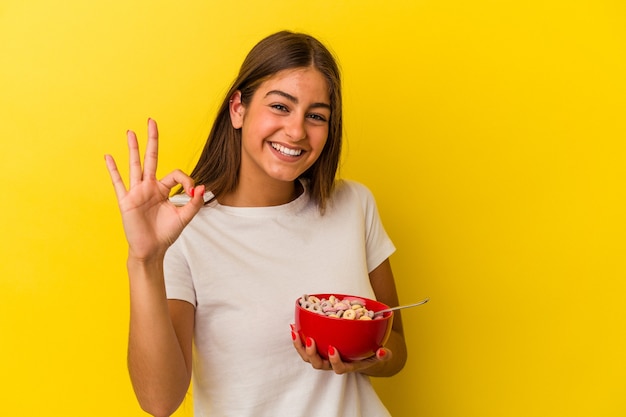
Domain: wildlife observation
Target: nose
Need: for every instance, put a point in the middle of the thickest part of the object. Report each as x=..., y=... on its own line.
x=294, y=128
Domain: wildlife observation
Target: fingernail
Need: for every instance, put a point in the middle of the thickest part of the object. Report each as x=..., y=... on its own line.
x=309, y=342
x=331, y=351
x=192, y=192
x=293, y=336
x=292, y=327
x=381, y=353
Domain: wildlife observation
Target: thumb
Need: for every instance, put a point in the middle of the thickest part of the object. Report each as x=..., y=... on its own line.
x=383, y=354
x=189, y=210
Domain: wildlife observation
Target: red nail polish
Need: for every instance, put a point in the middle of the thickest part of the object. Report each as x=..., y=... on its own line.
x=381, y=353
x=293, y=328
x=293, y=336
x=331, y=351
x=309, y=342
x=192, y=192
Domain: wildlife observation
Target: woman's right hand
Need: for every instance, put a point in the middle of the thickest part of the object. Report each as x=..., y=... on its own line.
x=151, y=222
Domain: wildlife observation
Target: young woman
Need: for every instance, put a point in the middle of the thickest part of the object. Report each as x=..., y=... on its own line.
x=213, y=282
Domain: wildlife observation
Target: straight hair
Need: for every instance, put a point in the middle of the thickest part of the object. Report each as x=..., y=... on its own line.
x=219, y=162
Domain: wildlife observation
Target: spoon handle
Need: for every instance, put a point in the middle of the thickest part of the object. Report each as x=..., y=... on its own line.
x=424, y=301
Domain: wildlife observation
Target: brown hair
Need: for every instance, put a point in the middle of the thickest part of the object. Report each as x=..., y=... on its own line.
x=218, y=165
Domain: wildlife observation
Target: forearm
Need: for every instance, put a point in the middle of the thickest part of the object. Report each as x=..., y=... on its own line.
x=157, y=367
x=385, y=289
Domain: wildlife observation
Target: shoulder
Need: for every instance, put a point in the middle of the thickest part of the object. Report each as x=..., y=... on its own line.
x=353, y=189
x=344, y=185
x=349, y=195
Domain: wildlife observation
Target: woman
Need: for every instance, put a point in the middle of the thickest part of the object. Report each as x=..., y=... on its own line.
x=212, y=285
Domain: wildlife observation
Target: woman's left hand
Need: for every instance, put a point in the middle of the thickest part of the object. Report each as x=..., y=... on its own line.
x=308, y=352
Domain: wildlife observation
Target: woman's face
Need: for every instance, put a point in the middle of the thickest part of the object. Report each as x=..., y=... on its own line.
x=285, y=125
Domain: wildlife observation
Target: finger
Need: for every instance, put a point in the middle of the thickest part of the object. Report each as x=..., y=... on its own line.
x=134, y=160
x=333, y=356
x=189, y=210
x=116, y=178
x=336, y=364
x=152, y=151
x=178, y=177
x=341, y=367
x=311, y=351
x=383, y=354
x=308, y=351
x=295, y=338
x=297, y=343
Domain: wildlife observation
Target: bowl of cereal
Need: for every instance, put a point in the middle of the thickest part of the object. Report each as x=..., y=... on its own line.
x=346, y=322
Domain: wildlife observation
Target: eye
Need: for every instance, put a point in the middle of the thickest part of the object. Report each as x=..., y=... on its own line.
x=317, y=117
x=279, y=107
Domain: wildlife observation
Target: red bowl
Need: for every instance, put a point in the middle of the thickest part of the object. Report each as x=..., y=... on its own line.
x=353, y=339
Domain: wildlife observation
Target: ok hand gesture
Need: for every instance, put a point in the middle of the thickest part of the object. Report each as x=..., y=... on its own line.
x=151, y=222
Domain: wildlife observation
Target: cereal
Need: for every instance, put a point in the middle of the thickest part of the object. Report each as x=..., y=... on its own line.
x=347, y=308
x=349, y=314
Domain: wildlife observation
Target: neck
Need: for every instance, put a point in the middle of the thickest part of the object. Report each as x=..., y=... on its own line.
x=253, y=194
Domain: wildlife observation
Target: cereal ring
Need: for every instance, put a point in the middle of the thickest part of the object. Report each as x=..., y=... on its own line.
x=361, y=312
x=349, y=314
x=341, y=306
x=314, y=299
x=313, y=307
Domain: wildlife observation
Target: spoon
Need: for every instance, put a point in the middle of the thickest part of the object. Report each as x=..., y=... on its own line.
x=380, y=312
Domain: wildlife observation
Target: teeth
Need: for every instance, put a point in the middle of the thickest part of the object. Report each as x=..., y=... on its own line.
x=286, y=151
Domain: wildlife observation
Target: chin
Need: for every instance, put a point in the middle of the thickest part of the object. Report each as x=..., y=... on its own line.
x=285, y=176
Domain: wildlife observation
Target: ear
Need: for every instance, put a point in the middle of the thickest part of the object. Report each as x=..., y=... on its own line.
x=236, y=109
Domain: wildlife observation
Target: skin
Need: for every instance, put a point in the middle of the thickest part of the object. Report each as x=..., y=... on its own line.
x=289, y=111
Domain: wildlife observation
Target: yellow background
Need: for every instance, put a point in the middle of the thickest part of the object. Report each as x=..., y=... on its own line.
x=491, y=132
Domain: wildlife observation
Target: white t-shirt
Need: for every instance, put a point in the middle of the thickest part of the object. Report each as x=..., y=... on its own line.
x=243, y=269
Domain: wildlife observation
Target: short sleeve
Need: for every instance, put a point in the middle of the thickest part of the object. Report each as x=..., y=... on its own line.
x=178, y=280
x=378, y=244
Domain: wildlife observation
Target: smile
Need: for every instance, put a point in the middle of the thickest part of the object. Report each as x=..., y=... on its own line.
x=286, y=151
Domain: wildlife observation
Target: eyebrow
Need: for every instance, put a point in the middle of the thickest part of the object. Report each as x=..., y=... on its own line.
x=295, y=99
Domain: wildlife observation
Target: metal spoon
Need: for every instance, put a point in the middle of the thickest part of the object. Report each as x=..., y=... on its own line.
x=380, y=312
